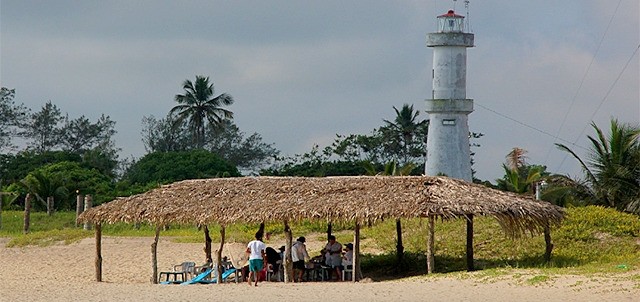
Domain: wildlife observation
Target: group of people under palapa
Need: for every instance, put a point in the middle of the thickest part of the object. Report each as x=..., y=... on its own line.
x=261, y=256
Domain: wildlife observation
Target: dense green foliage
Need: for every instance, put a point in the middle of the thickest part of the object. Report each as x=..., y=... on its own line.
x=16, y=167
x=612, y=171
x=46, y=181
x=166, y=167
x=318, y=169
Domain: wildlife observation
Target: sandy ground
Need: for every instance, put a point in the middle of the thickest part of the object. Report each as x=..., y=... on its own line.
x=66, y=273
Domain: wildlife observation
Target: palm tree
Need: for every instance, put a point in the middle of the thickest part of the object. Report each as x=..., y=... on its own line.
x=519, y=177
x=197, y=106
x=404, y=128
x=613, y=169
x=44, y=187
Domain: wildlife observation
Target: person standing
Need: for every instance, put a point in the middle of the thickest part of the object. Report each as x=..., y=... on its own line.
x=333, y=256
x=298, y=256
x=257, y=258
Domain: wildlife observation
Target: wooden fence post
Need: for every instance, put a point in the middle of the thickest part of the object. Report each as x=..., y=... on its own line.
x=79, y=206
x=50, y=205
x=27, y=213
x=87, y=205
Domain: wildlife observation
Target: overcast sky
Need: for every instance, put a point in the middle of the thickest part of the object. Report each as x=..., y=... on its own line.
x=303, y=71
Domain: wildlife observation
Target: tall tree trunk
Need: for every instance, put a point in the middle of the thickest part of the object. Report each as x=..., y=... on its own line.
x=27, y=213
x=399, y=247
x=328, y=230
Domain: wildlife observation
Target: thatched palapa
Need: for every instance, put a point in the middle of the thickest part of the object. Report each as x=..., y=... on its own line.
x=361, y=199
x=365, y=198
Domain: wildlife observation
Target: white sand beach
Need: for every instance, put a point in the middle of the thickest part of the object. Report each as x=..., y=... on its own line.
x=66, y=273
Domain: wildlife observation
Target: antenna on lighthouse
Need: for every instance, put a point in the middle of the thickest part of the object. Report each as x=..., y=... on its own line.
x=466, y=7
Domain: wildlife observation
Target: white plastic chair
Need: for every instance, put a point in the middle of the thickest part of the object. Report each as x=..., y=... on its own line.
x=348, y=269
x=187, y=268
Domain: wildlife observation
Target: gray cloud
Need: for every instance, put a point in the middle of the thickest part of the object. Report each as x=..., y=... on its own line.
x=303, y=71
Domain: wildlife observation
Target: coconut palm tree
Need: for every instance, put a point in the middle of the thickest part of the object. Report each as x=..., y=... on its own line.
x=403, y=130
x=44, y=188
x=520, y=177
x=198, y=107
x=613, y=169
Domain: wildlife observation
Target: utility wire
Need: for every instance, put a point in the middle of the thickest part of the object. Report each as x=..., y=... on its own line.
x=603, y=99
x=575, y=96
x=529, y=126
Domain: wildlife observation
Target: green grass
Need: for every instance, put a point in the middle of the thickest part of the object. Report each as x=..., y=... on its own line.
x=591, y=241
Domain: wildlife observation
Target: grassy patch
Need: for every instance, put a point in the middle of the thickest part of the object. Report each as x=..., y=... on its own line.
x=46, y=238
x=535, y=280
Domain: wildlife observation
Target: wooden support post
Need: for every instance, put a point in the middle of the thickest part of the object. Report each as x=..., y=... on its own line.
x=98, y=252
x=357, y=272
x=399, y=247
x=470, y=266
x=288, y=263
x=547, y=242
x=79, y=206
x=87, y=205
x=154, y=255
x=27, y=213
x=430, y=245
x=207, y=245
x=219, y=256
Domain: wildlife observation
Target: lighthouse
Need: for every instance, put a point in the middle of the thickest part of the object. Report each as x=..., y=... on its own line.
x=448, y=150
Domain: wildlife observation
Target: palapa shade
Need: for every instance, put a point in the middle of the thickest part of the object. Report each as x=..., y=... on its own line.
x=363, y=199
x=366, y=199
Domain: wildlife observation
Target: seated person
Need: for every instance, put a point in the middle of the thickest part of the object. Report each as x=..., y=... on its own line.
x=273, y=259
x=347, y=257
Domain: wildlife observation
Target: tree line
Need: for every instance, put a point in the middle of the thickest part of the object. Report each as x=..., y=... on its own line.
x=63, y=156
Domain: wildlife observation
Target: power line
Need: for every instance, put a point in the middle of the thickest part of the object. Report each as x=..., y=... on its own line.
x=529, y=126
x=575, y=96
x=604, y=99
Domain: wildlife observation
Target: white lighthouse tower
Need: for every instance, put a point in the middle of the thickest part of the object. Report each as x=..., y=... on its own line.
x=448, y=150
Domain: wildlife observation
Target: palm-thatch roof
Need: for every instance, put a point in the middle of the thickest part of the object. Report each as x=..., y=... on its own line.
x=363, y=198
